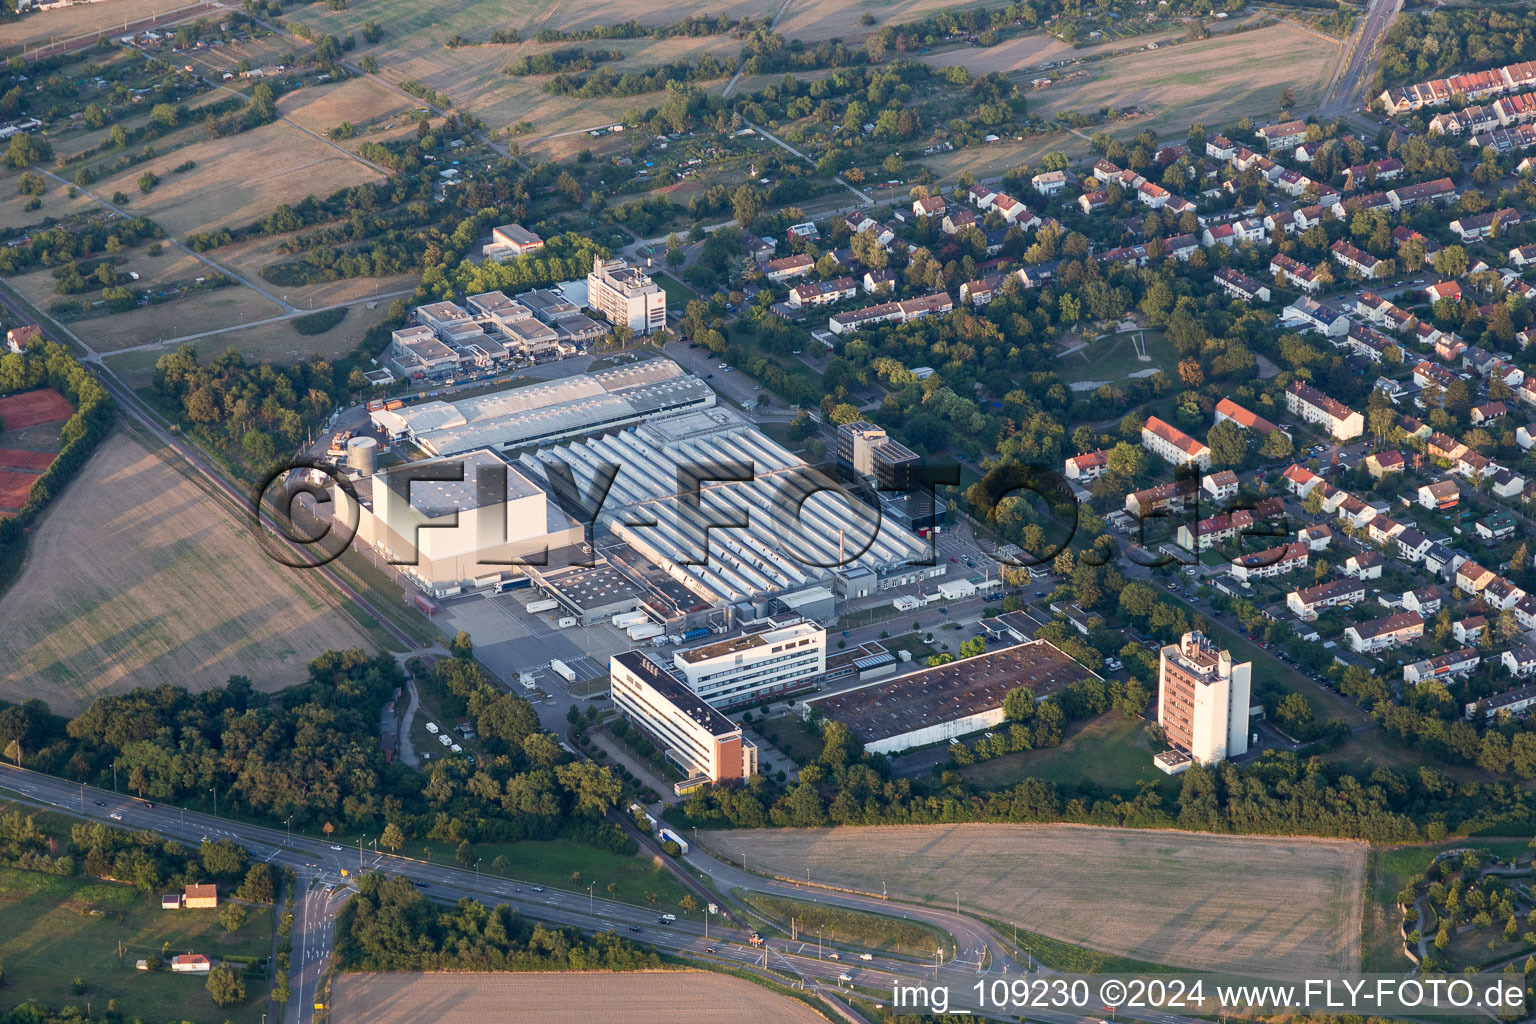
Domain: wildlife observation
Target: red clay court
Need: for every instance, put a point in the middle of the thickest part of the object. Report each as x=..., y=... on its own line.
x=18, y=458
x=30, y=408
x=14, y=486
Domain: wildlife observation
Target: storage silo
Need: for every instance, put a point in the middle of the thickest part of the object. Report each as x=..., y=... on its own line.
x=362, y=454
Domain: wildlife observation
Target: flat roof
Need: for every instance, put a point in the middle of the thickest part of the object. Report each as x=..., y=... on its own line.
x=435, y=498
x=591, y=587
x=679, y=696
x=947, y=692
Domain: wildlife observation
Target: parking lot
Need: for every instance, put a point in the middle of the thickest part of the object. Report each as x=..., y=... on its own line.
x=508, y=640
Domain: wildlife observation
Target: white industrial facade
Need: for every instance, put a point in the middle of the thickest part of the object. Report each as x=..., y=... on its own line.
x=448, y=534
x=756, y=665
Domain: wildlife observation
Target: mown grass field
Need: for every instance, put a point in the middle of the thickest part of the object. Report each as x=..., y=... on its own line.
x=663, y=997
x=137, y=577
x=1187, y=900
x=1110, y=752
x=54, y=930
x=849, y=928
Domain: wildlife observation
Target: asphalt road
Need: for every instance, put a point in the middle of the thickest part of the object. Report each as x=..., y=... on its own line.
x=1357, y=71
x=320, y=868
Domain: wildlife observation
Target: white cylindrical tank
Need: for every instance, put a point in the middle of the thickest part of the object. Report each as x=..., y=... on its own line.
x=362, y=454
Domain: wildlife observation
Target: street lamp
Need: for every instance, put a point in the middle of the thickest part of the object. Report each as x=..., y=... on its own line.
x=289, y=823
x=591, y=899
x=215, y=791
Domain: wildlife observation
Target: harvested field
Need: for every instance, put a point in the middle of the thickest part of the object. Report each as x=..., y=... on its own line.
x=83, y=19
x=14, y=486
x=1181, y=899
x=136, y=577
x=815, y=20
x=216, y=310
x=1215, y=81
x=358, y=100
x=31, y=408
x=672, y=997
x=240, y=178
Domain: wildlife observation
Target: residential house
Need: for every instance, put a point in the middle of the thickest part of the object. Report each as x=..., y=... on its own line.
x=204, y=896
x=1440, y=495
x=1308, y=603
x=1470, y=630
x=1300, y=480
x=1308, y=314
x=1316, y=537
x=1379, y=464
x=1295, y=273
x=1472, y=578
x=928, y=206
x=1241, y=286
x=1162, y=498
x=1459, y=662
x=1087, y=467
x=1426, y=601
x=1357, y=260
x=1367, y=565
x=1380, y=634
x=191, y=963
x=1284, y=135
x=1412, y=545
x=1477, y=226
x=786, y=267
x=1049, y=183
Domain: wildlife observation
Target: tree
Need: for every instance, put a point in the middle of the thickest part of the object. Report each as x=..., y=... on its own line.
x=232, y=916
x=1451, y=261
x=257, y=885
x=226, y=986
x=688, y=903
x=392, y=838
x=463, y=646
x=1228, y=443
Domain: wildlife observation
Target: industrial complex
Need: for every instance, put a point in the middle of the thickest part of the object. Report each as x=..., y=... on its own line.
x=539, y=413
x=945, y=702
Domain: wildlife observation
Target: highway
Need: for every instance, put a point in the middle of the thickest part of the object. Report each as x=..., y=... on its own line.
x=323, y=889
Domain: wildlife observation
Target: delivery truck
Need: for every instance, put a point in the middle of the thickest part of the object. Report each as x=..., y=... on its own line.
x=562, y=670
x=547, y=604
x=645, y=631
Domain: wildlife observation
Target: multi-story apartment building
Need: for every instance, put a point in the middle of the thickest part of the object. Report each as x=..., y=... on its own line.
x=1171, y=444
x=1202, y=701
x=1311, y=405
x=626, y=295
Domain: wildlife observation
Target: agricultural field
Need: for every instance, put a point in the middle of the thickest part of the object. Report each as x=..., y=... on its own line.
x=83, y=19
x=238, y=178
x=671, y=997
x=1216, y=81
x=129, y=582
x=1265, y=904
x=54, y=930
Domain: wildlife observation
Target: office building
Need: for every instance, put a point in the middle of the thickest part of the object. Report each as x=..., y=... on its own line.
x=1202, y=701
x=867, y=450
x=769, y=660
x=701, y=741
x=625, y=294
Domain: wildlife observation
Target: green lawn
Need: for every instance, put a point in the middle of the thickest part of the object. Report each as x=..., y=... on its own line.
x=1113, y=358
x=842, y=926
x=552, y=864
x=1110, y=753
x=57, y=929
x=678, y=294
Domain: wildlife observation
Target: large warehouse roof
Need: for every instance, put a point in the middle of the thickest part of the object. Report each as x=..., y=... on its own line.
x=953, y=690
x=772, y=553
x=562, y=408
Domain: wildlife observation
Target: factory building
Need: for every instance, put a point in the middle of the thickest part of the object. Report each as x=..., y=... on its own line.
x=1202, y=703
x=454, y=534
x=701, y=741
x=786, y=530
x=540, y=413
x=769, y=660
x=933, y=705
